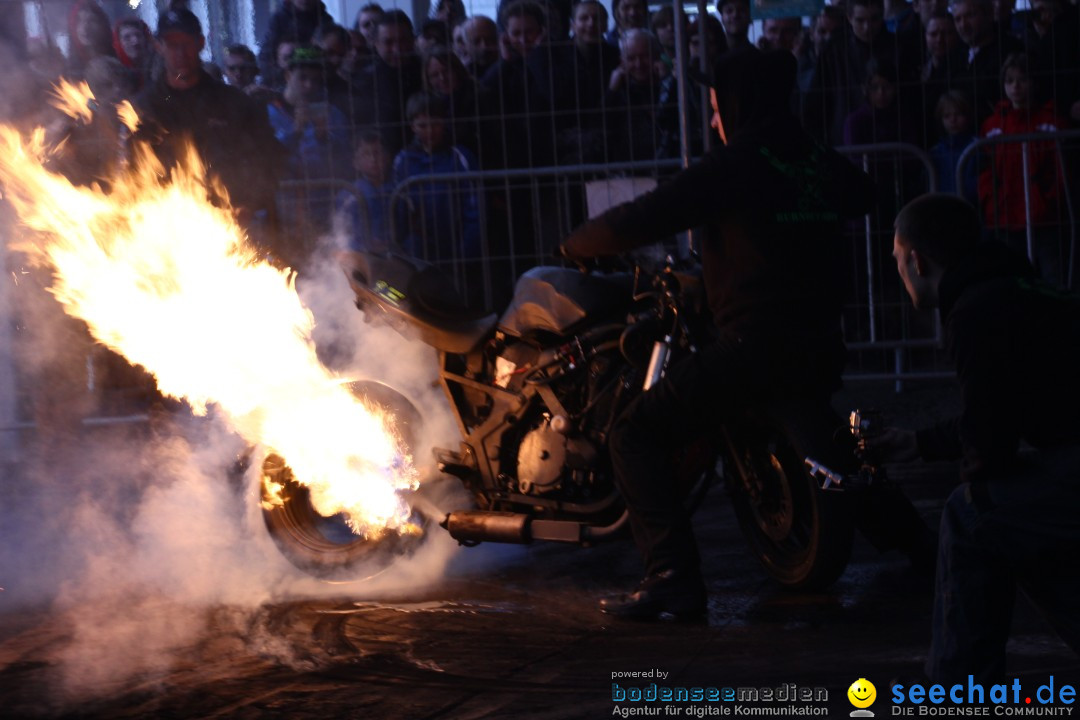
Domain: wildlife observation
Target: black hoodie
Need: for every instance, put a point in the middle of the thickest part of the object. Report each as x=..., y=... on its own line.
x=1016, y=345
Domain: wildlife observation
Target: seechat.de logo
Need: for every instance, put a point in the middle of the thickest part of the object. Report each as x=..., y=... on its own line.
x=1052, y=697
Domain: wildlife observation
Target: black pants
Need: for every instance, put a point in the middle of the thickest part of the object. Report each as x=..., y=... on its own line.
x=697, y=396
x=1022, y=531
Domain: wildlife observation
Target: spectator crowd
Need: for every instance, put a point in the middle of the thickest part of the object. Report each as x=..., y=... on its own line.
x=558, y=83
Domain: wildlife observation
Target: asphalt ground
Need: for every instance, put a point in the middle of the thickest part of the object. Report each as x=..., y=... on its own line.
x=494, y=632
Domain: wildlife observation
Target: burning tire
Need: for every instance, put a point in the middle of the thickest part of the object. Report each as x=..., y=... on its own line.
x=326, y=546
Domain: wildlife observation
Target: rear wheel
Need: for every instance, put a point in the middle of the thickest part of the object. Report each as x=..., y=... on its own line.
x=325, y=546
x=801, y=534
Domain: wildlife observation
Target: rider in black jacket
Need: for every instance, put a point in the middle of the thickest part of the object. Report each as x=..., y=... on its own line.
x=772, y=200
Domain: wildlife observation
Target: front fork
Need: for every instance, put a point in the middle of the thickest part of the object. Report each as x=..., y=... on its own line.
x=864, y=426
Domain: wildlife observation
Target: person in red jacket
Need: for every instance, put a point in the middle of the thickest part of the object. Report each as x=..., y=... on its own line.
x=89, y=35
x=1007, y=209
x=134, y=46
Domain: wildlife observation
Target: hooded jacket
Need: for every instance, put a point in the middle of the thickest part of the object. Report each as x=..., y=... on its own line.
x=118, y=47
x=1016, y=345
x=80, y=54
x=141, y=69
x=772, y=201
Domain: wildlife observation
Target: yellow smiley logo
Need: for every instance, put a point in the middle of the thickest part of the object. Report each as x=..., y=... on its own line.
x=862, y=693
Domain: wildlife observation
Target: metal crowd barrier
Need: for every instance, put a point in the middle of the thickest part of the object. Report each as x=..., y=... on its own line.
x=564, y=179
x=868, y=303
x=567, y=178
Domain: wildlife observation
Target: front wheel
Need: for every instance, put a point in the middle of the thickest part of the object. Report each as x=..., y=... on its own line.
x=325, y=546
x=801, y=534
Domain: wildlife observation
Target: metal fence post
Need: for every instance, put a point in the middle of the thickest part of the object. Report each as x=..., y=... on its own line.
x=870, y=285
x=1029, y=232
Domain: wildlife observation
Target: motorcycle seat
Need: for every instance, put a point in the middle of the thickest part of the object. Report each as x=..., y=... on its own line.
x=555, y=300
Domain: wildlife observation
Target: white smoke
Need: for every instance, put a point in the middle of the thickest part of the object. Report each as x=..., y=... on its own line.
x=133, y=553
x=143, y=540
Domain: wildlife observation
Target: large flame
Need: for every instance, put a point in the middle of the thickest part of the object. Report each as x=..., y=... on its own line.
x=73, y=100
x=128, y=116
x=168, y=280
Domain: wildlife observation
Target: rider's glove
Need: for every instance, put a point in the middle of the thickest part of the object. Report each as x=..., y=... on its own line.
x=571, y=252
x=590, y=240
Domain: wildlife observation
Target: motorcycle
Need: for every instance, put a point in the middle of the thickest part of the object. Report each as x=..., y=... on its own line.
x=536, y=391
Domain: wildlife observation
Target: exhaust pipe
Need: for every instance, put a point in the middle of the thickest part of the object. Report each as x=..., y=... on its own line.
x=474, y=526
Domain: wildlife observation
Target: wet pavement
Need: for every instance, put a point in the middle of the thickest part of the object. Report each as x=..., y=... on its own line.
x=505, y=633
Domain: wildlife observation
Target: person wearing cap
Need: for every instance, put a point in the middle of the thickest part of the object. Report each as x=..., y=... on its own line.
x=772, y=201
x=230, y=131
x=315, y=133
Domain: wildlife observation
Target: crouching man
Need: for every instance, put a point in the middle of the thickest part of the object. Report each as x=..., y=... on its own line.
x=1015, y=518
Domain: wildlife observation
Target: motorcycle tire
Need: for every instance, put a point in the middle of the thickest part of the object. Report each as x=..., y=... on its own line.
x=800, y=533
x=325, y=546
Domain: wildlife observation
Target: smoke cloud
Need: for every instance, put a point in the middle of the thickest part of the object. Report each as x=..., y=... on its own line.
x=132, y=552
x=143, y=540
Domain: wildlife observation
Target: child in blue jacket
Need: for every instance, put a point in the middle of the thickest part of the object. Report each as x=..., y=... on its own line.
x=445, y=216
x=954, y=114
x=369, y=219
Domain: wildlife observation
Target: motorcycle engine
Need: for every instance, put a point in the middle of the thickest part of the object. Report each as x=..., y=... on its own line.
x=551, y=459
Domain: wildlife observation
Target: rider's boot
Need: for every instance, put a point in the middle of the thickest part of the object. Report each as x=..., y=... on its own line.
x=667, y=595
